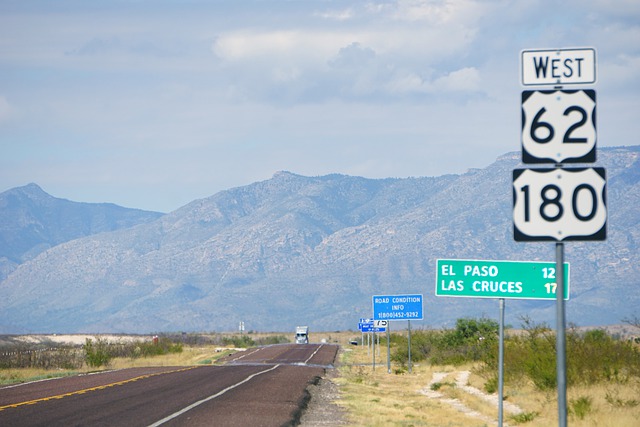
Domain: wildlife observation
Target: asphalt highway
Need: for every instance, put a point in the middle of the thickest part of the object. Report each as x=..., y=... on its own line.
x=265, y=386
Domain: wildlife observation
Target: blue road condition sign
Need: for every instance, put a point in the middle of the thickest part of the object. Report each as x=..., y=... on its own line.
x=397, y=307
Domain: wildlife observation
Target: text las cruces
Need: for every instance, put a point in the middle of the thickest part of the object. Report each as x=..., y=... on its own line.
x=480, y=285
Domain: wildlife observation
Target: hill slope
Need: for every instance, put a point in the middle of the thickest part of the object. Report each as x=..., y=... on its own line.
x=32, y=221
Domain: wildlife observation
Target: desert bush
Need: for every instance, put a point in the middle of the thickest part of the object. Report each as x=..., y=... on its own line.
x=471, y=340
x=101, y=352
x=580, y=407
x=491, y=385
x=595, y=356
x=592, y=357
x=241, y=341
x=523, y=417
x=97, y=354
x=533, y=356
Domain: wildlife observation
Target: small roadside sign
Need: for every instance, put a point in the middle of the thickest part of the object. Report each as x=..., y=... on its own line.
x=397, y=307
x=364, y=323
x=380, y=323
x=558, y=66
x=370, y=325
x=498, y=279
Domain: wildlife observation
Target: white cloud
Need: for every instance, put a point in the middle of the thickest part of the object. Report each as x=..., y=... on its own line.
x=427, y=10
x=407, y=83
x=337, y=15
x=463, y=80
x=293, y=45
x=466, y=79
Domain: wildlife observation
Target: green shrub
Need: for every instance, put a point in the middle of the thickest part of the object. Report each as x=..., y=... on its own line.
x=242, y=341
x=491, y=385
x=523, y=417
x=471, y=340
x=96, y=354
x=595, y=356
x=592, y=357
x=580, y=407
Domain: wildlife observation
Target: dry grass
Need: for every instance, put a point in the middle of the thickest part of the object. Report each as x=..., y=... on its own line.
x=19, y=375
x=206, y=354
x=377, y=398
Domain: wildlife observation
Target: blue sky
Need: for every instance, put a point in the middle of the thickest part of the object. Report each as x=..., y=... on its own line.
x=152, y=104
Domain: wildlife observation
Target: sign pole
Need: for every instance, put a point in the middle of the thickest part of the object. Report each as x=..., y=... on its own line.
x=409, y=340
x=501, y=364
x=561, y=354
x=373, y=346
x=388, y=349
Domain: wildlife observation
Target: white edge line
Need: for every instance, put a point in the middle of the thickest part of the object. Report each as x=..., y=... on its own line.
x=314, y=353
x=218, y=394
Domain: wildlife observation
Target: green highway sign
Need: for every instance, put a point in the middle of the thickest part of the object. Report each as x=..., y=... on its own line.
x=498, y=279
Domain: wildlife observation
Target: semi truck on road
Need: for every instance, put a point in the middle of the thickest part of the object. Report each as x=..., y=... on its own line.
x=302, y=335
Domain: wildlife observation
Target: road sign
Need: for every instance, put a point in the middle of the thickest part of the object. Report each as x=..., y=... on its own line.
x=559, y=204
x=558, y=66
x=559, y=126
x=498, y=279
x=380, y=323
x=364, y=323
x=369, y=325
x=397, y=307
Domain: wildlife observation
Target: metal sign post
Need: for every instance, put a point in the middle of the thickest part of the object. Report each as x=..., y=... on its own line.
x=373, y=347
x=501, y=363
x=561, y=341
x=409, y=340
x=388, y=350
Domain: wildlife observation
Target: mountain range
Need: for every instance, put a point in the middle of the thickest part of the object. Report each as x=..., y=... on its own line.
x=32, y=221
x=299, y=250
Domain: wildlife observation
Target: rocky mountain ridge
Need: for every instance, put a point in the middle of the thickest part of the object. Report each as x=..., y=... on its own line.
x=32, y=221
x=313, y=250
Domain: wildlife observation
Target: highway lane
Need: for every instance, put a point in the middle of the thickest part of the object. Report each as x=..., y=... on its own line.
x=310, y=354
x=259, y=387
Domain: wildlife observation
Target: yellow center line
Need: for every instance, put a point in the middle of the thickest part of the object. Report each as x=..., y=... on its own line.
x=100, y=387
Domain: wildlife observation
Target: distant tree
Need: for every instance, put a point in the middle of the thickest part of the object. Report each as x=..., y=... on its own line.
x=635, y=321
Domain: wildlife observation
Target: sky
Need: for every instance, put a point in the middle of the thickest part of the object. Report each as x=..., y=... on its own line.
x=153, y=104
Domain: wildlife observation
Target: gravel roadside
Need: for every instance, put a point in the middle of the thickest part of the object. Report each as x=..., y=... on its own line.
x=322, y=409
